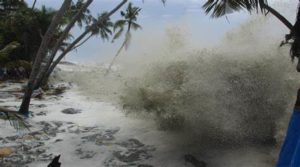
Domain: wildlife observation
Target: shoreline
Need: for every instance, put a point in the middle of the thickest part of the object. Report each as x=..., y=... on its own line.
x=102, y=135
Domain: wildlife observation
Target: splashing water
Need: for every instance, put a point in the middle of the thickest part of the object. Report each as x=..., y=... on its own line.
x=240, y=92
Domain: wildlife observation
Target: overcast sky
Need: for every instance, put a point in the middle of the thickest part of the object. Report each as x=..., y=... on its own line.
x=154, y=18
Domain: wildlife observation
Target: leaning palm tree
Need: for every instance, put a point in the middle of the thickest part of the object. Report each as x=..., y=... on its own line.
x=129, y=21
x=218, y=8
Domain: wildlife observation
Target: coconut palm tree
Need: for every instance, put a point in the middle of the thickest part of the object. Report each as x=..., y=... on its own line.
x=84, y=19
x=218, y=8
x=37, y=73
x=129, y=22
x=103, y=30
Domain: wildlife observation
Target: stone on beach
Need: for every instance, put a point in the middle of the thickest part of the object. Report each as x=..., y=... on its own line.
x=71, y=111
x=5, y=152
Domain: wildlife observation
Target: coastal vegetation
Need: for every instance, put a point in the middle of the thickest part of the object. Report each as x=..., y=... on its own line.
x=41, y=52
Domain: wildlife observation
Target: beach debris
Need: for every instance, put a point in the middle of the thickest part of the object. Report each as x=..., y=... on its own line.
x=85, y=154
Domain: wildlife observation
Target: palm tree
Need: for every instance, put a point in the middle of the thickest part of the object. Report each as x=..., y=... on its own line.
x=33, y=5
x=130, y=18
x=219, y=8
x=81, y=37
x=85, y=18
x=103, y=30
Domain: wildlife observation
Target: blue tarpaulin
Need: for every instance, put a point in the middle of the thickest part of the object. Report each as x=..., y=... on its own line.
x=290, y=152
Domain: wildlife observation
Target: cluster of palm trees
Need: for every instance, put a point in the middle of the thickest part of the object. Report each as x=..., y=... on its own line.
x=41, y=49
x=48, y=58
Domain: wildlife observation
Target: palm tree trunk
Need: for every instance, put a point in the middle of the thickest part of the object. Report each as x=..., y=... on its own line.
x=83, y=42
x=59, y=42
x=76, y=41
x=279, y=16
x=295, y=48
x=61, y=56
x=24, y=108
x=114, y=59
x=127, y=38
x=33, y=5
x=41, y=55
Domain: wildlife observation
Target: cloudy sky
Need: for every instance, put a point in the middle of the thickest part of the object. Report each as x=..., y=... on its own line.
x=155, y=18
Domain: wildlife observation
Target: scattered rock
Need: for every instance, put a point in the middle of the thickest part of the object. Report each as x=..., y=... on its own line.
x=3, y=140
x=71, y=111
x=5, y=152
x=144, y=165
x=58, y=140
x=58, y=124
x=5, y=95
x=41, y=105
x=131, y=143
x=194, y=161
x=12, y=138
x=45, y=157
x=85, y=154
x=132, y=153
x=42, y=113
x=102, y=138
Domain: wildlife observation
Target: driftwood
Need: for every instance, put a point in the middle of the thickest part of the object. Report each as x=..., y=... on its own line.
x=55, y=162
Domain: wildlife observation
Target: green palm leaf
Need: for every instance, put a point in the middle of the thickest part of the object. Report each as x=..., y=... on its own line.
x=119, y=24
x=135, y=26
x=219, y=8
x=118, y=34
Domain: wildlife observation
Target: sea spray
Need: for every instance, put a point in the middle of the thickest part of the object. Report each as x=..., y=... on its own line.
x=236, y=91
x=239, y=91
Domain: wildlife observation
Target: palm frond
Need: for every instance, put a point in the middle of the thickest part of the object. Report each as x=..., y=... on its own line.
x=119, y=24
x=118, y=34
x=135, y=26
x=218, y=8
x=103, y=29
x=16, y=120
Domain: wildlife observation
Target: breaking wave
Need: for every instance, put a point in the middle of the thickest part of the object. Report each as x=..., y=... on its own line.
x=240, y=90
